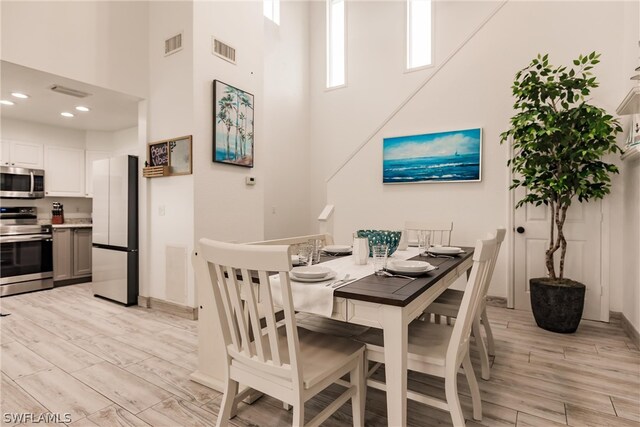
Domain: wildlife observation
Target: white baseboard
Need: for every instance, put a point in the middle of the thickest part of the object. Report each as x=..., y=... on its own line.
x=168, y=307
x=630, y=330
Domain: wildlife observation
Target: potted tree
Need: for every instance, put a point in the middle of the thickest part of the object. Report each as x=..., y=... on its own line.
x=559, y=139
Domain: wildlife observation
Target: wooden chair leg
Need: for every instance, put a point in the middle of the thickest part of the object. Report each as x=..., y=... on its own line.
x=491, y=346
x=453, y=401
x=227, y=405
x=298, y=414
x=357, y=378
x=473, y=386
x=484, y=357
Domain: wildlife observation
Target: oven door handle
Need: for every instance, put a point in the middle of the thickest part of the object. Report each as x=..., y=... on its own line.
x=28, y=238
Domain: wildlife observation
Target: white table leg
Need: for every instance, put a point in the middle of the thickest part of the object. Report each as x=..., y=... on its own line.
x=395, y=359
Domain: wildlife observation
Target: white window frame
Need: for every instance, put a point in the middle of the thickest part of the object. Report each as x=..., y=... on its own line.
x=407, y=40
x=271, y=10
x=328, y=43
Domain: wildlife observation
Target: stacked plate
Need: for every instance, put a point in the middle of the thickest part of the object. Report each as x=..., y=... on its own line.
x=409, y=268
x=312, y=273
x=445, y=250
x=337, y=250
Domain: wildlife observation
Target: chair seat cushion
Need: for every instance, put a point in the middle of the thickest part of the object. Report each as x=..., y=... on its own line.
x=450, y=296
x=320, y=354
x=428, y=342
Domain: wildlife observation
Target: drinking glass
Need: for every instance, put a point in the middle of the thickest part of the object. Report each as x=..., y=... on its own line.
x=424, y=241
x=305, y=252
x=379, y=258
x=316, y=246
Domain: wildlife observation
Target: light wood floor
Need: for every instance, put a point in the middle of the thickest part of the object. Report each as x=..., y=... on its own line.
x=65, y=351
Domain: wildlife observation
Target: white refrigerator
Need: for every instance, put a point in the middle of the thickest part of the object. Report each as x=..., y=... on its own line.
x=115, y=229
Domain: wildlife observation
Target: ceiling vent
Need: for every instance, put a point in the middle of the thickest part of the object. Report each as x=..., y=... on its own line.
x=173, y=44
x=68, y=91
x=224, y=51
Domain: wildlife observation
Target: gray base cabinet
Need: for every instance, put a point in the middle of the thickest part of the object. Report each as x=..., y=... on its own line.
x=71, y=253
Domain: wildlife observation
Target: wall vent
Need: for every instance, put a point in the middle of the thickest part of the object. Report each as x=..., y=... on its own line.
x=173, y=44
x=68, y=91
x=224, y=51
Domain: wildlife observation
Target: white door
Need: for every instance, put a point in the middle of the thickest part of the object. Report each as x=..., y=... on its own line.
x=582, y=231
x=27, y=155
x=64, y=172
x=89, y=157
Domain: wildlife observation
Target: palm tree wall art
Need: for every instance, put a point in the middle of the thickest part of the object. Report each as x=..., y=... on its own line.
x=233, y=125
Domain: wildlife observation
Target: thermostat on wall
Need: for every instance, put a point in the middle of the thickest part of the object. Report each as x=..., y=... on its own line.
x=250, y=180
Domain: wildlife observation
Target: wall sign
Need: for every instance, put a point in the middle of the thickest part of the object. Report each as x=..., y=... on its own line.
x=175, y=154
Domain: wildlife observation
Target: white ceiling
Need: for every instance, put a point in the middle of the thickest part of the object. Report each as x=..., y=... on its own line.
x=110, y=111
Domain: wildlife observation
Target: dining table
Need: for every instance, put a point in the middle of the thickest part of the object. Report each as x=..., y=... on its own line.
x=390, y=304
x=383, y=302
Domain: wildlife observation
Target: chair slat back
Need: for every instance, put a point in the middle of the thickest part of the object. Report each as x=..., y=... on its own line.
x=240, y=278
x=482, y=256
x=440, y=230
x=500, y=233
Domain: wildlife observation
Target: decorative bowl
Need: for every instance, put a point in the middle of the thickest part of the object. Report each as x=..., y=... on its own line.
x=381, y=237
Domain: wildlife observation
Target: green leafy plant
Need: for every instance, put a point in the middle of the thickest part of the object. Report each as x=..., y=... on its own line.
x=559, y=139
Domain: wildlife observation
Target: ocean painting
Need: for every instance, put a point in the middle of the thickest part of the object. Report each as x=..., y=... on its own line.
x=433, y=157
x=232, y=125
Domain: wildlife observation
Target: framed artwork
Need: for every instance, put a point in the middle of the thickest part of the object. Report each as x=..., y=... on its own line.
x=233, y=136
x=174, y=153
x=454, y=156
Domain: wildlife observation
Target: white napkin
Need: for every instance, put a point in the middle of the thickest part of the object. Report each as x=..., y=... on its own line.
x=317, y=297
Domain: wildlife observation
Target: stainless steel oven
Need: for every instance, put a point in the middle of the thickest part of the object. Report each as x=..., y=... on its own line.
x=26, y=251
x=21, y=183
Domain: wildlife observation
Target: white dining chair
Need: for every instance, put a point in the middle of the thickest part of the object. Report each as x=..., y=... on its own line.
x=448, y=305
x=440, y=230
x=439, y=349
x=288, y=363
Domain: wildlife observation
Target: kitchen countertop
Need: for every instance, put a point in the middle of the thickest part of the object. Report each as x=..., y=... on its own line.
x=72, y=225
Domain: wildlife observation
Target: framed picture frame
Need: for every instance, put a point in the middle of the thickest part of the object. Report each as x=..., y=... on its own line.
x=233, y=125
x=452, y=156
x=175, y=153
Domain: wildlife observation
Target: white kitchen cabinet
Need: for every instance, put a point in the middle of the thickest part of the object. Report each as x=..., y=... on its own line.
x=89, y=157
x=64, y=172
x=21, y=154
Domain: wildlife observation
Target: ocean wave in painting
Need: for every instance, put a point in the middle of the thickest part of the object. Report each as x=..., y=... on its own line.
x=457, y=167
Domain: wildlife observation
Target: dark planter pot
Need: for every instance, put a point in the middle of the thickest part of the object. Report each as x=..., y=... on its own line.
x=557, y=307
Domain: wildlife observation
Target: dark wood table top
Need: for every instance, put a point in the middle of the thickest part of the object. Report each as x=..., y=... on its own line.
x=398, y=291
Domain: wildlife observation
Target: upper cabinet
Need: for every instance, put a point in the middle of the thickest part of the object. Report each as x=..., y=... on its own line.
x=90, y=156
x=21, y=154
x=64, y=172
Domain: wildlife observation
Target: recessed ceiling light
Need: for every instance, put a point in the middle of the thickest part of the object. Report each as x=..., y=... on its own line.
x=5, y=102
x=19, y=95
x=65, y=114
x=82, y=108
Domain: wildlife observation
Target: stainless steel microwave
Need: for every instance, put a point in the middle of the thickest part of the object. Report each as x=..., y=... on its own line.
x=21, y=183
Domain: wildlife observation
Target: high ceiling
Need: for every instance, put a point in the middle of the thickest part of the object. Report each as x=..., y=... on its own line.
x=110, y=110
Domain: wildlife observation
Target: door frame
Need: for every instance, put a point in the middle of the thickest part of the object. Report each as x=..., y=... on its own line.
x=605, y=223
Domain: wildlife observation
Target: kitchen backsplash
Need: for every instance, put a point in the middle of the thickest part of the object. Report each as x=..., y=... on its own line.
x=74, y=207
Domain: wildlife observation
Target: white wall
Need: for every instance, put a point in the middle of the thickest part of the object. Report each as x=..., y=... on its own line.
x=286, y=123
x=225, y=207
x=124, y=141
x=168, y=222
x=472, y=90
x=97, y=42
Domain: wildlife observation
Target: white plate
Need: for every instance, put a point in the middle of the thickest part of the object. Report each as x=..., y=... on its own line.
x=445, y=250
x=329, y=276
x=408, y=266
x=311, y=272
x=411, y=273
x=337, y=249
